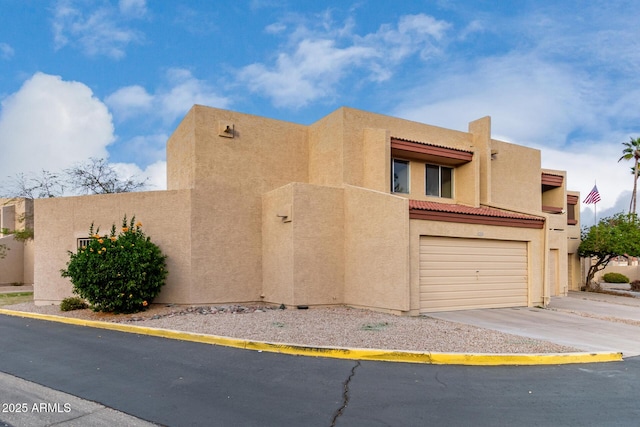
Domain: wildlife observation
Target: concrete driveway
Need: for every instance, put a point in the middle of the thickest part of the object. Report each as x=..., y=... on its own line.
x=586, y=321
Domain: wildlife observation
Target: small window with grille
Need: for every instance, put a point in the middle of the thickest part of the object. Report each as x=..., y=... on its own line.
x=83, y=242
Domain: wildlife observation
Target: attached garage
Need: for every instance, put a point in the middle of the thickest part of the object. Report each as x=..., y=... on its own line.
x=462, y=274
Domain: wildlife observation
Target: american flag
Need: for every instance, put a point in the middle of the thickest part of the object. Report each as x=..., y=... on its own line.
x=593, y=197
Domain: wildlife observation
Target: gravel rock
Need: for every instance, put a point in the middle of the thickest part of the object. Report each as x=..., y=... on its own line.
x=328, y=327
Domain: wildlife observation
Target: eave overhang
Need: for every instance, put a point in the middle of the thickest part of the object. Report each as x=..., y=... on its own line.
x=433, y=211
x=430, y=152
x=551, y=180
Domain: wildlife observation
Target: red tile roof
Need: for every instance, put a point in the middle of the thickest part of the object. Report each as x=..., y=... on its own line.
x=431, y=144
x=468, y=210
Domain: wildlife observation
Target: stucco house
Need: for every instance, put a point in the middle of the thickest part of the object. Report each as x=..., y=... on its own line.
x=357, y=208
x=16, y=264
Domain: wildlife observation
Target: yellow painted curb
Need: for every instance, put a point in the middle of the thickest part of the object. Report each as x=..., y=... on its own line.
x=479, y=359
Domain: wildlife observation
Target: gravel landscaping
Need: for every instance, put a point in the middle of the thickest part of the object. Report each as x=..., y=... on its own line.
x=327, y=327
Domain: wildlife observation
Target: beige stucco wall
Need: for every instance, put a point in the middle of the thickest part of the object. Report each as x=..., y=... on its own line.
x=28, y=262
x=346, y=239
x=231, y=175
x=480, y=131
x=60, y=221
x=181, y=154
x=631, y=271
x=16, y=213
x=303, y=245
x=376, y=159
x=17, y=266
x=335, y=246
x=340, y=149
x=563, y=239
x=326, y=150
x=515, y=176
x=318, y=233
x=376, y=250
x=12, y=265
x=355, y=123
x=573, y=243
x=533, y=237
x=557, y=254
x=277, y=246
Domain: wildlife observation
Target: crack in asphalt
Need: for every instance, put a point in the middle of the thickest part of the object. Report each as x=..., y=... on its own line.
x=440, y=382
x=345, y=396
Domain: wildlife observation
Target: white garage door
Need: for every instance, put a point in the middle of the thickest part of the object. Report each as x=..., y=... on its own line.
x=461, y=274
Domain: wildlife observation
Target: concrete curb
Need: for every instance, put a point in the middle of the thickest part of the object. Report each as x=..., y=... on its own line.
x=478, y=359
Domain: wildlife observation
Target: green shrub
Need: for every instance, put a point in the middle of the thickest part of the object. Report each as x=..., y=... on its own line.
x=615, y=278
x=73, y=303
x=635, y=285
x=120, y=273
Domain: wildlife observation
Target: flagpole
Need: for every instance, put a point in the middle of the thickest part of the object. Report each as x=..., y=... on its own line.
x=593, y=198
x=595, y=206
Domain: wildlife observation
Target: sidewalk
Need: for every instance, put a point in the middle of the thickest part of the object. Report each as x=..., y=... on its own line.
x=588, y=321
x=29, y=404
x=10, y=289
x=600, y=305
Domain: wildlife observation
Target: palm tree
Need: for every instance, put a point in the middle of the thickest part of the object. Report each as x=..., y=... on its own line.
x=632, y=151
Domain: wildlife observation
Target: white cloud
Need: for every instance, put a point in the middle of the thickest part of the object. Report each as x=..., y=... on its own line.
x=96, y=32
x=531, y=101
x=148, y=148
x=320, y=55
x=275, y=28
x=170, y=101
x=537, y=103
x=590, y=164
x=129, y=101
x=475, y=26
x=183, y=91
x=591, y=214
x=306, y=75
x=52, y=124
x=6, y=51
x=155, y=173
x=133, y=8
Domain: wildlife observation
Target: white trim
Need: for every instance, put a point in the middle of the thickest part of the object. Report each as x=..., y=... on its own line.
x=439, y=180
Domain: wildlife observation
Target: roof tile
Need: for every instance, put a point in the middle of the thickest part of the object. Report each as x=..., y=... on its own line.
x=468, y=210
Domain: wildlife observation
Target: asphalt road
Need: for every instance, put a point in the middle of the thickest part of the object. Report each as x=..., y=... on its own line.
x=178, y=383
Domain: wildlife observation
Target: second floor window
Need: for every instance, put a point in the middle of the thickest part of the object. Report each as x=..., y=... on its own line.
x=571, y=215
x=439, y=181
x=400, y=171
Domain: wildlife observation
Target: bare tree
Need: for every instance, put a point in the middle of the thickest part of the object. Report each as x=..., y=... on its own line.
x=97, y=176
x=35, y=185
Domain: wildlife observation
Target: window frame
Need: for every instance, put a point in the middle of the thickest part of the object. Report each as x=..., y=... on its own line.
x=393, y=169
x=82, y=242
x=571, y=214
x=440, y=167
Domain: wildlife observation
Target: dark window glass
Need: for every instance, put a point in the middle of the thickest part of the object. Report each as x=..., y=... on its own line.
x=400, y=176
x=433, y=181
x=445, y=182
x=439, y=181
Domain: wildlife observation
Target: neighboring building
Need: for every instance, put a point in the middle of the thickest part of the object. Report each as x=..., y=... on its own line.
x=17, y=265
x=358, y=209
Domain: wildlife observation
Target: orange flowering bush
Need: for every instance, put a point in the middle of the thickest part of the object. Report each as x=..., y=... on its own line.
x=121, y=272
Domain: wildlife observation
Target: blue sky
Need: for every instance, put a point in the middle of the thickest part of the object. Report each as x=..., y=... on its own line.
x=113, y=78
